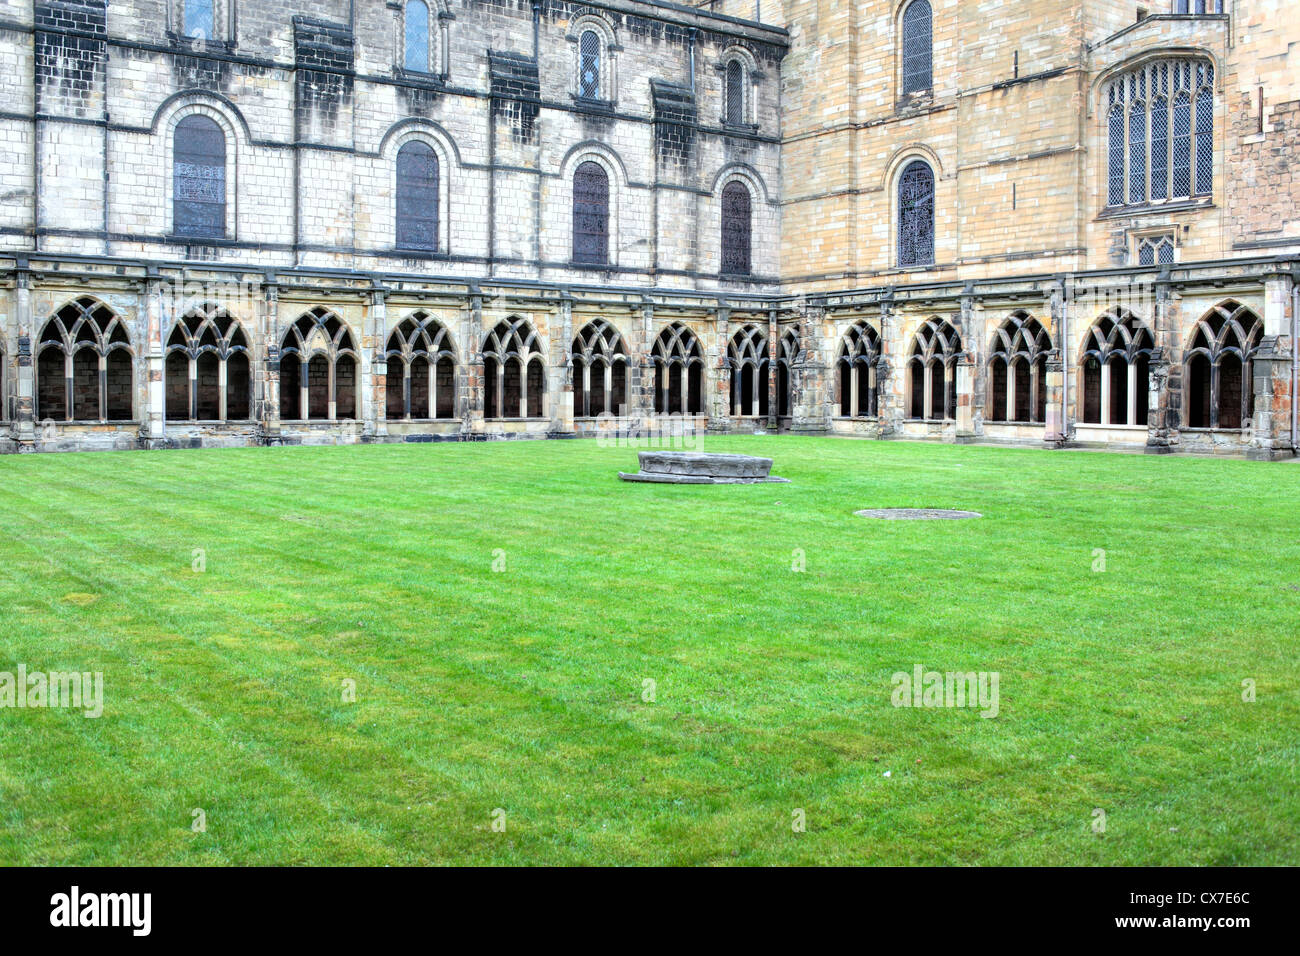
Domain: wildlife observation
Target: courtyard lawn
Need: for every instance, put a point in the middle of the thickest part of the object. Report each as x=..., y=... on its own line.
x=521, y=687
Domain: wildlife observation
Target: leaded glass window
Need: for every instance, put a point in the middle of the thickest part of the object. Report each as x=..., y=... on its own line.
x=417, y=36
x=736, y=229
x=735, y=93
x=1156, y=250
x=916, y=215
x=1160, y=125
x=199, y=179
x=918, y=69
x=199, y=19
x=417, y=197
x=591, y=214
x=589, y=66
x=1198, y=6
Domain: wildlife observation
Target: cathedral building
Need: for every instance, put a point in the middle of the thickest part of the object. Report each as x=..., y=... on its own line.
x=1056, y=223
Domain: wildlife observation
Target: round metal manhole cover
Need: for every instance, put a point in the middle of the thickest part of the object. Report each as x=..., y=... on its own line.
x=917, y=514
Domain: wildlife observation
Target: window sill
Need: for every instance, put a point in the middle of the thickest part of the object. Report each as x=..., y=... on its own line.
x=428, y=254
x=513, y=420
x=1213, y=431
x=931, y=421
x=590, y=266
x=1158, y=206
x=593, y=104
x=747, y=129
x=428, y=81
x=181, y=240
x=736, y=277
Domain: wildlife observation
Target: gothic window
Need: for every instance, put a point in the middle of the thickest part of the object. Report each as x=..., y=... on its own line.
x=747, y=354
x=1018, y=371
x=1156, y=250
x=417, y=37
x=1198, y=6
x=1115, y=370
x=735, y=94
x=207, y=374
x=84, y=365
x=599, y=371
x=318, y=369
x=679, y=372
x=420, y=379
x=858, y=370
x=417, y=197
x=591, y=214
x=916, y=215
x=1218, y=380
x=932, y=372
x=736, y=229
x=199, y=19
x=589, y=52
x=514, y=372
x=790, y=355
x=199, y=179
x=918, y=48
x=1160, y=127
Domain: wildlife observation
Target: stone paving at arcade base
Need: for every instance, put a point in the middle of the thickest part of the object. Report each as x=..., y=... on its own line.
x=652, y=673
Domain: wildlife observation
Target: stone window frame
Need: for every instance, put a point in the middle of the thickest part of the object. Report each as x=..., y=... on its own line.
x=592, y=22
x=234, y=341
x=860, y=348
x=341, y=344
x=1020, y=336
x=448, y=167
x=1118, y=336
x=748, y=352
x=1156, y=241
x=759, y=207
x=602, y=155
x=236, y=143
x=900, y=45
x=224, y=24
x=1232, y=339
x=108, y=334
x=598, y=346
x=1132, y=89
x=902, y=166
x=789, y=355
x=439, y=40
x=750, y=77
x=513, y=339
x=430, y=341
x=936, y=344
x=1188, y=8
x=677, y=346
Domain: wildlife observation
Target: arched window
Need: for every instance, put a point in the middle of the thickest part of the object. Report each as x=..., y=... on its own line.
x=737, y=217
x=514, y=372
x=417, y=197
x=679, y=372
x=420, y=379
x=599, y=371
x=932, y=372
x=591, y=214
x=199, y=19
x=207, y=375
x=589, y=53
x=199, y=179
x=750, y=363
x=918, y=48
x=790, y=356
x=417, y=37
x=1218, y=379
x=1145, y=162
x=1115, y=370
x=85, y=366
x=858, y=368
x=735, y=93
x=1017, y=390
x=916, y=215
x=318, y=369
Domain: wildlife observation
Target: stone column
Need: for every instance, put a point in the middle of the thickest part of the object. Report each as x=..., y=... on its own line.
x=158, y=316
x=376, y=414
x=719, y=403
x=773, y=371
x=812, y=384
x=472, y=422
x=1056, y=430
x=25, y=396
x=562, y=370
x=889, y=408
x=1166, y=377
x=269, y=380
x=1270, y=433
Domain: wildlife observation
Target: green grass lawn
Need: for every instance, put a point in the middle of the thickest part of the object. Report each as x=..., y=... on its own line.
x=522, y=688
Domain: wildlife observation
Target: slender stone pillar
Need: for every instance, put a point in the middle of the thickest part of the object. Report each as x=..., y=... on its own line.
x=1166, y=377
x=562, y=369
x=472, y=422
x=376, y=402
x=719, y=407
x=25, y=396
x=773, y=371
x=269, y=380
x=159, y=309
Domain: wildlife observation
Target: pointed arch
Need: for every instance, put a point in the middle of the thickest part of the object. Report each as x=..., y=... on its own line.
x=1017, y=370
x=85, y=366
x=1219, y=361
x=420, y=380
x=679, y=372
x=932, y=371
x=600, y=364
x=749, y=359
x=207, y=372
x=514, y=371
x=858, y=368
x=318, y=369
x=1115, y=370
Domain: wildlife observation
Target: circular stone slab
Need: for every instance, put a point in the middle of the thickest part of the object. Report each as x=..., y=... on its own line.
x=917, y=514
